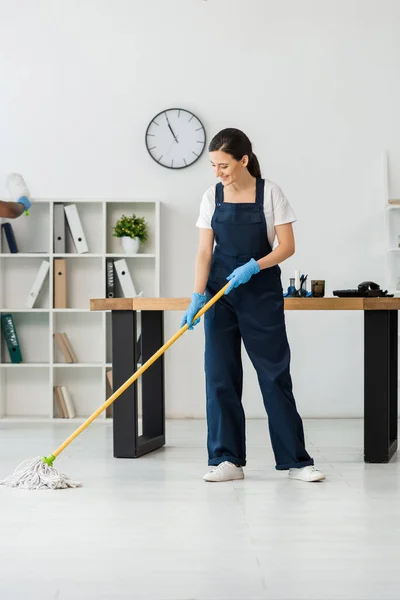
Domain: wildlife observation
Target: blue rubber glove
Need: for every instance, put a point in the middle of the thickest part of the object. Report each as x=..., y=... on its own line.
x=25, y=201
x=198, y=301
x=242, y=274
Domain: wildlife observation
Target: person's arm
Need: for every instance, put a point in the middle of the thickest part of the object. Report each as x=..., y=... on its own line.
x=11, y=210
x=203, y=260
x=284, y=249
x=202, y=271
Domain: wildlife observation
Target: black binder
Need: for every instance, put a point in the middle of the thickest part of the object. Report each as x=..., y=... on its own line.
x=10, y=335
x=110, y=278
x=9, y=233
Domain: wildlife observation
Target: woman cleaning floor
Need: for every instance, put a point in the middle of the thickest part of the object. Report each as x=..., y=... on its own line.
x=239, y=220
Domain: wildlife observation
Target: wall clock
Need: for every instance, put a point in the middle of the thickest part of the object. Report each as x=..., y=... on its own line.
x=175, y=138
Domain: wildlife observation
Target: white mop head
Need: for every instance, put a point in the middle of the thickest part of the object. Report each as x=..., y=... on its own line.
x=35, y=474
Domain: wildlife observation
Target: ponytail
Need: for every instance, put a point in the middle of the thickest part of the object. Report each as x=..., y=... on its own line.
x=253, y=166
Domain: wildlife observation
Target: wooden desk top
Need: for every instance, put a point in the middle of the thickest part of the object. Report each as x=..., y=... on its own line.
x=333, y=303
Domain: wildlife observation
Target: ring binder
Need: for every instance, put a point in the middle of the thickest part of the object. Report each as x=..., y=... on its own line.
x=38, y=283
x=75, y=227
x=10, y=335
x=60, y=283
x=110, y=280
x=59, y=229
x=125, y=279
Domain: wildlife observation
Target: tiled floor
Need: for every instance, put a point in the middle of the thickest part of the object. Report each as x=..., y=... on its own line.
x=151, y=529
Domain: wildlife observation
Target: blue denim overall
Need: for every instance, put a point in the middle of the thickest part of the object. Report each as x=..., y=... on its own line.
x=253, y=312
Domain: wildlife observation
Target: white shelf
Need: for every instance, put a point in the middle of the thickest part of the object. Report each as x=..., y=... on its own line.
x=78, y=365
x=131, y=255
x=70, y=310
x=94, y=201
x=30, y=397
x=25, y=255
x=24, y=310
x=25, y=365
x=76, y=255
x=85, y=255
x=393, y=250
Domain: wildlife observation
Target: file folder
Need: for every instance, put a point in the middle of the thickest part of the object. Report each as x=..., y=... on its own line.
x=59, y=229
x=63, y=347
x=75, y=227
x=70, y=349
x=60, y=283
x=11, y=338
x=124, y=277
x=62, y=408
x=68, y=402
x=38, y=283
x=9, y=233
x=110, y=281
x=110, y=379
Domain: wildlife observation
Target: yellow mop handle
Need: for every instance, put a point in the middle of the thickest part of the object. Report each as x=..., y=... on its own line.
x=133, y=378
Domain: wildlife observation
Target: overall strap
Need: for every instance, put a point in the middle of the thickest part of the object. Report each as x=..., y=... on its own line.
x=260, y=185
x=219, y=193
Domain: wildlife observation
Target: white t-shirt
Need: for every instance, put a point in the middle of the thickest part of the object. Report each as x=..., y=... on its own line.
x=277, y=209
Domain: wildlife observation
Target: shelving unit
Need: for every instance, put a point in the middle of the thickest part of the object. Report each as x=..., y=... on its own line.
x=26, y=389
x=392, y=234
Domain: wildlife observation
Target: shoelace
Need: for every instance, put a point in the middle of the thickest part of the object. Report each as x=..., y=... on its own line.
x=221, y=466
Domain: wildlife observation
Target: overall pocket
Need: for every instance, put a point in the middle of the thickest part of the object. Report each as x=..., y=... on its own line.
x=239, y=233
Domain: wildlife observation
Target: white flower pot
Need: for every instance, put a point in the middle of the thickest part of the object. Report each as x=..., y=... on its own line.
x=130, y=245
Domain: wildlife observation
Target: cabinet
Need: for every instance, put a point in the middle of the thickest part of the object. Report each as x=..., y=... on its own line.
x=26, y=388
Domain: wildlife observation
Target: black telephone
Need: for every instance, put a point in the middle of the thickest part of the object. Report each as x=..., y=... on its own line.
x=366, y=289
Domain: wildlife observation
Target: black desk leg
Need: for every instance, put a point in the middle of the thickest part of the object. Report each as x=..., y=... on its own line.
x=380, y=385
x=125, y=354
x=153, y=407
x=124, y=361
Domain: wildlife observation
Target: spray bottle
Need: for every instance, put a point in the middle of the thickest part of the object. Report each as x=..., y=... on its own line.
x=18, y=190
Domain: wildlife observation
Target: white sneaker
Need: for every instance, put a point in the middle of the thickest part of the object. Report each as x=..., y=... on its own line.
x=225, y=471
x=307, y=474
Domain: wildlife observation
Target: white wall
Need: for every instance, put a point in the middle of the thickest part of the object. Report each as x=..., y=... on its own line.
x=313, y=83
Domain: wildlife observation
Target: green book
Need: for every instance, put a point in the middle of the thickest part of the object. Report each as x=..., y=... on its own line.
x=11, y=338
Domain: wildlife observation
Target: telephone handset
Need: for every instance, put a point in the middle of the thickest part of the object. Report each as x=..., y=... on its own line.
x=366, y=289
x=367, y=286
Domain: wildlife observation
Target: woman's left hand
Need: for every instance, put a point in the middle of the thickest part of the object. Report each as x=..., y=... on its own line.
x=242, y=274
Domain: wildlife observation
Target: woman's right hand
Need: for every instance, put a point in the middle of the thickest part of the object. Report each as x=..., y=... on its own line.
x=198, y=301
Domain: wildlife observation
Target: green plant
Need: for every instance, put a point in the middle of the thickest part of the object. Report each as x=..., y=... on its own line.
x=134, y=227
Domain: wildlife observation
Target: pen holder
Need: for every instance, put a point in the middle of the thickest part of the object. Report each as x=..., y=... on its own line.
x=318, y=288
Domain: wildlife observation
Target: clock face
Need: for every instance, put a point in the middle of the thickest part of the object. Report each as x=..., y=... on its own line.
x=175, y=138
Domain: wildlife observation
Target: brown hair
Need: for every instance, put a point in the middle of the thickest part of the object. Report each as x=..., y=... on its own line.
x=237, y=144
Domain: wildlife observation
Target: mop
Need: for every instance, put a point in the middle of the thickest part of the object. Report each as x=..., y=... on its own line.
x=39, y=473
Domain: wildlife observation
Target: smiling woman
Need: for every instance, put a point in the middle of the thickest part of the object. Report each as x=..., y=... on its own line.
x=239, y=220
x=234, y=147
x=175, y=138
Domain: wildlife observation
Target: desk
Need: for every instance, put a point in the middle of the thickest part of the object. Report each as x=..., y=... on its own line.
x=380, y=369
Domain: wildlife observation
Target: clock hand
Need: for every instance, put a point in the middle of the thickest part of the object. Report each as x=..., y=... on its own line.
x=175, y=138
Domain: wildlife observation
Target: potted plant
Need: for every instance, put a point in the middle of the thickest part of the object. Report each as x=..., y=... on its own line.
x=132, y=231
